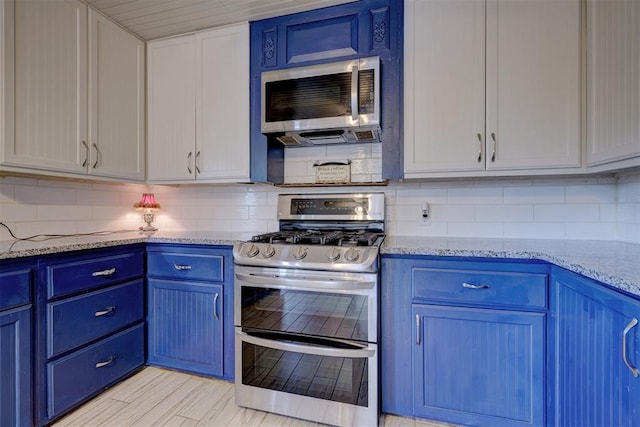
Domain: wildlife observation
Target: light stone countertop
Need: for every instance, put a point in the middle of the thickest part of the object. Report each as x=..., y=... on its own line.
x=616, y=264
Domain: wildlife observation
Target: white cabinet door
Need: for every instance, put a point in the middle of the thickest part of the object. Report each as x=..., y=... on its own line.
x=613, y=82
x=171, y=109
x=222, y=104
x=116, y=99
x=50, y=86
x=444, y=112
x=533, y=84
x=492, y=85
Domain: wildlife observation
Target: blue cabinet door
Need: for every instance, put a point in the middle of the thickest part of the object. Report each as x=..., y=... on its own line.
x=593, y=384
x=185, y=321
x=15, y=367
x=479, y=366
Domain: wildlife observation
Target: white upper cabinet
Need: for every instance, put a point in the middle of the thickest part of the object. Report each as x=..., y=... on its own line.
x=198, y=106
x=50, y=46
x=222, y=103
x=77, y=101
x=613, y=84
x=492, y=86
x=116, y=101
x=171, y=109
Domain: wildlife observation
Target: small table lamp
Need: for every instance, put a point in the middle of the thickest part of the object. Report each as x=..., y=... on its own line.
x=148, y=204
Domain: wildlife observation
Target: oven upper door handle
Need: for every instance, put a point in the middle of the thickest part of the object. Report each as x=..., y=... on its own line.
x=308, y=349
x=303, y=282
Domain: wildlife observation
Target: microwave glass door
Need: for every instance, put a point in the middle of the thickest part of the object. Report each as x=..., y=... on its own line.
x=318, y=97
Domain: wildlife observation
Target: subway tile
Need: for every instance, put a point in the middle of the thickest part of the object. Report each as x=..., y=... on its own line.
x=534, y=194
x=18, y=212
x=43, y=195
x=63, y=212
x=590, y=231
x=474, y=229
x=106, y=198
x=474, y=195
x=552, y=230
x=567, y=213
x=504, y=213
x=590, y=194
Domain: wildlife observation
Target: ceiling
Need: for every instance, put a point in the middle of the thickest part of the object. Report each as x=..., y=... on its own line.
x=152, y=19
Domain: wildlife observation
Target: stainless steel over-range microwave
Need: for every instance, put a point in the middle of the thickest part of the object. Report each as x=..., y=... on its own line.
x=329, y=103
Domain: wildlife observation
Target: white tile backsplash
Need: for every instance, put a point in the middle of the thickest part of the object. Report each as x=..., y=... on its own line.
x=600, y=208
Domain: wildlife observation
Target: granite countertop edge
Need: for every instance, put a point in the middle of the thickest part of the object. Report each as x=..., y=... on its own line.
x=590, y=265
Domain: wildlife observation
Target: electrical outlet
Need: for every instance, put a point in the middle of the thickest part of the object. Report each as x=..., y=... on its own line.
x=425, y=214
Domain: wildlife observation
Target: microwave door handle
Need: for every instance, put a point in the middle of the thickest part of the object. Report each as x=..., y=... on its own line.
x=270, y=280
x=354, y=93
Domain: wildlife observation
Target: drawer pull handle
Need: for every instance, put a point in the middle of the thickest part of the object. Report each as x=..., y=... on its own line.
x=180, y=267
x=470, y=286
x=104, y=312
x=215, y=305
x=107, y=362
x=630, y=326
x=107, y=272
x=417, y=329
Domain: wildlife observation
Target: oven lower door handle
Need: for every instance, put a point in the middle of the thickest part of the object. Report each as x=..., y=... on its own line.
x=308, y=349
x=301, y=282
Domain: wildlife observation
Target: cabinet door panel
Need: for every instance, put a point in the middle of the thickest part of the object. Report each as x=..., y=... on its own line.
x=479, y=367
x=172, y=109
x=116, y=98
x=15, y=367
x=594, y=387
x=50, y=86
x=444, y=86
x=185, y=326
x=222, y=93
x=533, y=84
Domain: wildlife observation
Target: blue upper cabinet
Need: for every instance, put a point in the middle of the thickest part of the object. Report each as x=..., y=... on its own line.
x=354, y=30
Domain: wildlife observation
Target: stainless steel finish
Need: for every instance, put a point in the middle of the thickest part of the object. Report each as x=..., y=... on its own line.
x=107, y=362
x=86, y=154
x=306, y=407
x=333, y=254
x=365, y=351
x=182, y=267
x=354, y=92
x=104, y=312
x=299, y=252
x=268, y=251
x=215, y=305
x=479, y=148
x=471, y=286
x=493, y=153
x=374, y=208
x=315, y=258
x=351, y=255
x=417, y=329
x=197, y=162
x=626, y=331
x=313, y=281
x=189, y=162
x=341, y=122
x=107, y=272
x=98, y=155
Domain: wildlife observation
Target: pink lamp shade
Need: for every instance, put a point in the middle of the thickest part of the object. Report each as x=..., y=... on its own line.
x=148, y=201
x=148, y=204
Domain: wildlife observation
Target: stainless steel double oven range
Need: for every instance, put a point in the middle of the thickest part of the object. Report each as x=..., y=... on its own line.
x=306, y=310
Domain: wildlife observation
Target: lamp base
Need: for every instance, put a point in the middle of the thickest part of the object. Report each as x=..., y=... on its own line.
x=148, y=228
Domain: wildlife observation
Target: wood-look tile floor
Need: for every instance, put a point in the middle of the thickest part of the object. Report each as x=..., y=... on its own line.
x=159, y=397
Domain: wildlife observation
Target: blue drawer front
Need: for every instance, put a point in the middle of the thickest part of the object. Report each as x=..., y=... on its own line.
x=79, y=375
x=78, y=320
x=92, y=272
x=480, y=287
x=15, y=288
x=201, y=267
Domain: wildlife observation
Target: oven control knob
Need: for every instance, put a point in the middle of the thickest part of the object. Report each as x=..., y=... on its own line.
x=269, y=251
x=252, y=251
x=299, y=252
x=351, y=255
x=333, y=254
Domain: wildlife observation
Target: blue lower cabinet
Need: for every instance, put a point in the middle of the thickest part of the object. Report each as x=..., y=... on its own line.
x=597, y=352
x=478, y=366
x=15, y=367
x=71, y=379
x=185, y=323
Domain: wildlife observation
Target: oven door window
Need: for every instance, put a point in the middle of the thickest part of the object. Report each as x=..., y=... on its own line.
x=339, y=378
x=325, y=314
